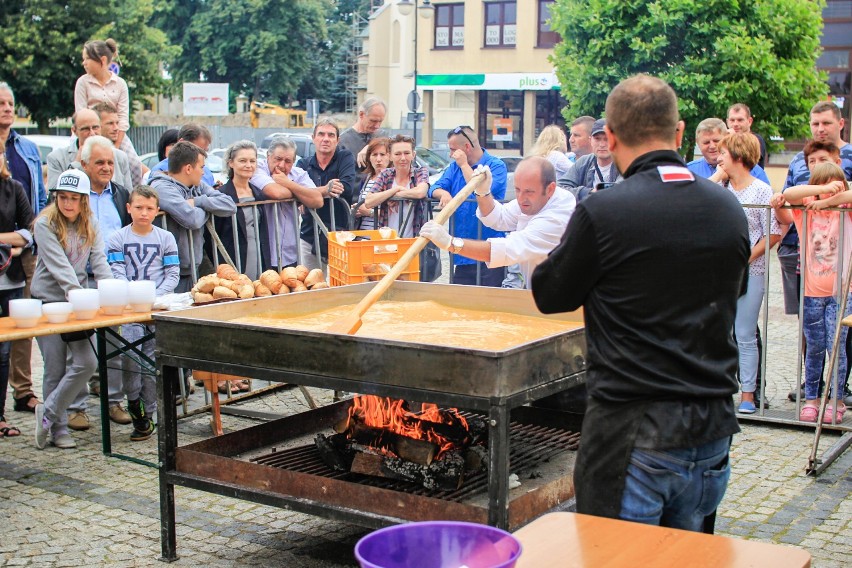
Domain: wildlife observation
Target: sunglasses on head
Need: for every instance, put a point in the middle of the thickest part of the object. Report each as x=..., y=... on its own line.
x=460, y=130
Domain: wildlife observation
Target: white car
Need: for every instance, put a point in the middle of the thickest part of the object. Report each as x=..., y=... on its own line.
x=47, y=143
x=214, y=163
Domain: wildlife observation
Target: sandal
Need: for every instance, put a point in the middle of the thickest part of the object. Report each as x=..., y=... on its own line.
x=24, y=403
x=8, y=431
x=808, y=413
x=223, y=387
x=830, y=414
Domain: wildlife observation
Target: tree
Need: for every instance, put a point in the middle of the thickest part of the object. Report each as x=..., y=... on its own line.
x=42, y=41
x=713, y=53
x=261, y=49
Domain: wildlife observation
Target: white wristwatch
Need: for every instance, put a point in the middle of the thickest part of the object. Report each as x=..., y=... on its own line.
x=456, y=245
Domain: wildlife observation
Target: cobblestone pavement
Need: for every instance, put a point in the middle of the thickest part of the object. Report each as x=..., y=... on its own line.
x=79, y=508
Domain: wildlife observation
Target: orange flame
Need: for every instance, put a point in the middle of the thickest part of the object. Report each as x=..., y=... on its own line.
x=391, y=414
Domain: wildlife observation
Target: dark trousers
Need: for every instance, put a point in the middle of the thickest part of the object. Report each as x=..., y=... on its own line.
x=466, y=274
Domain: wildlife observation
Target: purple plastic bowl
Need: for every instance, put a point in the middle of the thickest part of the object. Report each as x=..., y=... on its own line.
x=438, y=544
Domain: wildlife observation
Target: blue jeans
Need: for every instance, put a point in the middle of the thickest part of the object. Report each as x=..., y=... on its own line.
x=819, y=320
x=745, y=328
x=676, y=488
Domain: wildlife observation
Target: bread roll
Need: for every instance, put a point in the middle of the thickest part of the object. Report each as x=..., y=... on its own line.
x=271, y=280
x=301, y=272
x=246, y=292
x=320, y=285
x=225, y=283
x=222, y=292
x=201, y=298
x=314, y=276
x=226, y=271
x=300, y=286
x=243, y=279
x=207, y=283
x=284, y=289
x=260, y=290
x=290, y=276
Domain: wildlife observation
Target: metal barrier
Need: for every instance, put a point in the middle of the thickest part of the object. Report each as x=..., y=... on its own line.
x=782, y=417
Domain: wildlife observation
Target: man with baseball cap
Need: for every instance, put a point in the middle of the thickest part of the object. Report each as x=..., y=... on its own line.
x=593, y=169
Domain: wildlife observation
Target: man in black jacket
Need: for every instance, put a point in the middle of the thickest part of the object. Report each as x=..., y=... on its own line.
x=658, y=263
x=332, y=169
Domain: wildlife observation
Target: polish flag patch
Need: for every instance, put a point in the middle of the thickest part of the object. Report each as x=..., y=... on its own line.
x=675, y=173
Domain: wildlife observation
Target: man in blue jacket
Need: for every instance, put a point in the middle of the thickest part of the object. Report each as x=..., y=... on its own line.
x=25, y=164
x=468, y=154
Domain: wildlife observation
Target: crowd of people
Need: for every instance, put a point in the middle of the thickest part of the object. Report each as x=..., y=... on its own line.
x=562, y=237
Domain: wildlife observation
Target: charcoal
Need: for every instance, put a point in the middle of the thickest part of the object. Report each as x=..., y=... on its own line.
x=334, y=451
x=446, y=473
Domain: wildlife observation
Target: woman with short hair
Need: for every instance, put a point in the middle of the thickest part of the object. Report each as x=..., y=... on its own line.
x=738, y=153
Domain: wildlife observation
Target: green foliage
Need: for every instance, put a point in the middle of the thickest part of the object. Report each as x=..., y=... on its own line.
x=141, y=48
x=713, y=53
x=42, y=41
x=260, y=48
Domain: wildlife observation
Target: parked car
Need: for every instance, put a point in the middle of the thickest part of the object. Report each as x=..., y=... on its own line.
x=304, y=143
x=429, y=159
x=214, y=163
x=48, y=143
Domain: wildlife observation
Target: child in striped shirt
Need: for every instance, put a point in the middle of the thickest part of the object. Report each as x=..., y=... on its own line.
x=141, y=251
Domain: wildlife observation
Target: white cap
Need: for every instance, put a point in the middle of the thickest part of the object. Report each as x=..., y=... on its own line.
x=74, y=181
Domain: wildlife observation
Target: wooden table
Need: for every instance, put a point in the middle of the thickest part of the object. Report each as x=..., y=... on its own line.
x=101, y=324
x=573, y=540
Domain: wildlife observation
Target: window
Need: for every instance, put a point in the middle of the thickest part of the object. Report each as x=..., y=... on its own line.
x=500, y=20
x=449, y=26
x=546, y=36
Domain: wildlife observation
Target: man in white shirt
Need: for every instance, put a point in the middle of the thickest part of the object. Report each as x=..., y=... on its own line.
x=537, y=218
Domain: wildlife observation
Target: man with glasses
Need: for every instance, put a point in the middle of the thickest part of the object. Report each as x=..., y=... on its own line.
x=468, y=154
x=84, y=123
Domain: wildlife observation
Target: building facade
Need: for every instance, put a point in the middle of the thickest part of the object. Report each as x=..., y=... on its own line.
x=486, y=63
x=483, y=63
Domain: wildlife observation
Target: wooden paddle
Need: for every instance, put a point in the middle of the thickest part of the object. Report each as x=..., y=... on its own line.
x=352, y=321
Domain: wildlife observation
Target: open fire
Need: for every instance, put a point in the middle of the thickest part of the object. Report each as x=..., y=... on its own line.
x=386, y=437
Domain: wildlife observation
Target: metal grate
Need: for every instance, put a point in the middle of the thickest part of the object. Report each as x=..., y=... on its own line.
x=530, y=445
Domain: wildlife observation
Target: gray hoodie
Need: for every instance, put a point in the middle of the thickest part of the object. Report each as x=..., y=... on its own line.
x=183, y=218
x=60, y=270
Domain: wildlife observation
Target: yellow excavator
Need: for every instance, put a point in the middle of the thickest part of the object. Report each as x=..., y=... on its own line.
x=295, y=118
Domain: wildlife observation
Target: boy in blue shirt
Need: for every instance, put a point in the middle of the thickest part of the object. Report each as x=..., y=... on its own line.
x=141, y=251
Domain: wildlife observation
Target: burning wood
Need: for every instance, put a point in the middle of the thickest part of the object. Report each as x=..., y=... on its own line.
x=383, y=437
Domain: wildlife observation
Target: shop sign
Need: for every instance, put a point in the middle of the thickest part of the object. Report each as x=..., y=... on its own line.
x=489, y=82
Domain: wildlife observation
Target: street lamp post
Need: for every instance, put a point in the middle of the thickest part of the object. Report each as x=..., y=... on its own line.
x=426, y=9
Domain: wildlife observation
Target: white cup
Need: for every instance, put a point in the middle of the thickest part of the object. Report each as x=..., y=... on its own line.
x=25, y=312
x=113, y=296
x=57, y=312
x=85, y=301
x=385, y=232
x=141, y=295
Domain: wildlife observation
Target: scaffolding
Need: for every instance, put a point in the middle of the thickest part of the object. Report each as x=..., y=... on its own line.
x=354, y=54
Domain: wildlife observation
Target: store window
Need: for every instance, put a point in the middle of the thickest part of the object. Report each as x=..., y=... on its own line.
x=548, y=110
x=501, y=119
x=546, y=36
x=501, y=20
x=449, y=26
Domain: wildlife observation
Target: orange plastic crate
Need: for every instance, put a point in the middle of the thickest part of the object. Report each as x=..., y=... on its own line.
x=346, y=262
